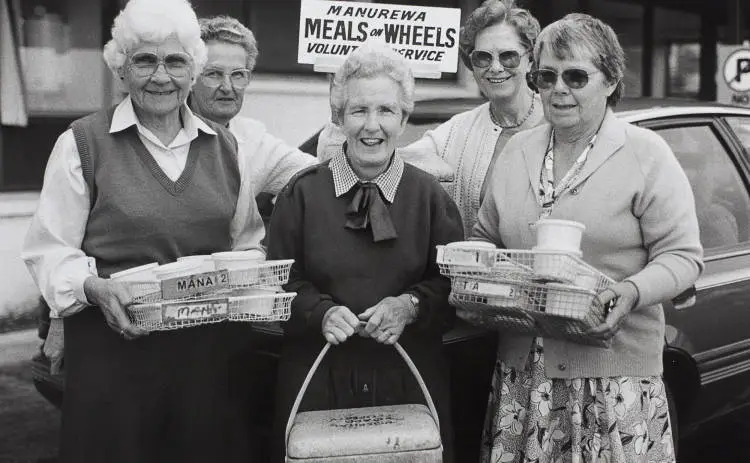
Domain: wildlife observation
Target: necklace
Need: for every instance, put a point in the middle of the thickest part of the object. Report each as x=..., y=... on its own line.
x=519, y=123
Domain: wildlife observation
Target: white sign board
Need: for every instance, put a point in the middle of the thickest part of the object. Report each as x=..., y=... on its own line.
x=426, y=36
x=733, y=79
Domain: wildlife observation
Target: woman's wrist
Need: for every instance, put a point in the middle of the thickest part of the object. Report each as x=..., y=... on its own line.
x=411, y=303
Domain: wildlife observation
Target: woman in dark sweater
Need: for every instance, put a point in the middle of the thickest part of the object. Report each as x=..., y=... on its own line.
x=362, y=229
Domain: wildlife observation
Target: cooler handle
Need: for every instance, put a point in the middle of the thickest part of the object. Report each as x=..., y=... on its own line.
x=314, y=367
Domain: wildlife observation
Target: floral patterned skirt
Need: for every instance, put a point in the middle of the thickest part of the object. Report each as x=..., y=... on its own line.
x=532, y=418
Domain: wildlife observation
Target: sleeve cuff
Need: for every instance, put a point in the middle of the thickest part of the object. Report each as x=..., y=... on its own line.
x=316, y=317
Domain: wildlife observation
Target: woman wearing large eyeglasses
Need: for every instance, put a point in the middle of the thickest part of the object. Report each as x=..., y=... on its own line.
x=554, y=400
x=496, y=43
x=144, y=181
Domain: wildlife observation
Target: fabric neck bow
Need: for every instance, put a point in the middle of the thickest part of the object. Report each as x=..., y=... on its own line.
x=368, y=208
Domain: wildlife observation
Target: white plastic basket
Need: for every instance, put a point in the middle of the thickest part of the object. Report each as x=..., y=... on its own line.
x=231, y=306
x=271, y=274
x=509, y=294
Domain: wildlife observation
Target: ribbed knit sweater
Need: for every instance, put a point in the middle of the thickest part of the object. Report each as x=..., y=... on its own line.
x=641, y=225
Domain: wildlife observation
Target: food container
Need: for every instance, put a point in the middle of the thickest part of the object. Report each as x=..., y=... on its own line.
x=238, y=260
x=557, y=266
x=568, y=301
x=559, y=235
x=180, y=268
x=408, y=433
x=466, y=257
x=141, y=281
x=206, y=260
x=588, y=281
x=140, y=273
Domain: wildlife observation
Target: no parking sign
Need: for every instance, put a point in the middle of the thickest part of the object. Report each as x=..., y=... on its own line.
x=733, y=81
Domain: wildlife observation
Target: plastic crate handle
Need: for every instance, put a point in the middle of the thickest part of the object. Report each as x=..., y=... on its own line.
x=314, y=367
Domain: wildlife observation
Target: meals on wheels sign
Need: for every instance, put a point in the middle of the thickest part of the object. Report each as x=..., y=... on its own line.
x=733, y=81
x=426, y=36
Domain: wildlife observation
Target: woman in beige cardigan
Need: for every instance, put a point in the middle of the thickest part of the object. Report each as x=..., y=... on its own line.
x=496, y=44
x=555, y=400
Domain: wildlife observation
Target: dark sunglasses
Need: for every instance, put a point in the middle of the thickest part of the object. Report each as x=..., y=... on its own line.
x=509, y=59
x=574, y=78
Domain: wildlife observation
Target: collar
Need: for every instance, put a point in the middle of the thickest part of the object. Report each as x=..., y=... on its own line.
x=124, y=117
x=344, y=177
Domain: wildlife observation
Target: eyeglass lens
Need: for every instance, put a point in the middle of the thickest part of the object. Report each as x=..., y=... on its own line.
x=146, y=64
x=509, y=59
x=573, y=78
x=239, y=78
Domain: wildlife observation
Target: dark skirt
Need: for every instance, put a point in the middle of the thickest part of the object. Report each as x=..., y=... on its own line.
x=362, y=373
x=162, y=397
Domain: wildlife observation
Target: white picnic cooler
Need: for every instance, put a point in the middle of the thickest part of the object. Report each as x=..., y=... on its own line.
x=393, y=434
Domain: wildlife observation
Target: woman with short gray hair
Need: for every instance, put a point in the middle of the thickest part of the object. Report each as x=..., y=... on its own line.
x=554, y=399
x=362, y=230
x=143, y=181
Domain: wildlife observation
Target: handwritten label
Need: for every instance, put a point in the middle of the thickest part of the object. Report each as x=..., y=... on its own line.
x=195, y=310
x=363, y=421
x=490, y=289
x=426, y=36
x=176, y=288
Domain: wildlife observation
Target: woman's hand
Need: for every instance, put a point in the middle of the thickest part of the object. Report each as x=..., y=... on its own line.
x=112, y=297
x=387, y=319
x=618, y=300
x=339, y=323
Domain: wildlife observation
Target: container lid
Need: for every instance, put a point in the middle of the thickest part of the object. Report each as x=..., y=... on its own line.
x=179, y=268
x=202, y=257
x=131, y=271
x=250, y=254
x=363, y=431
x=568, y=288
x=471, y=245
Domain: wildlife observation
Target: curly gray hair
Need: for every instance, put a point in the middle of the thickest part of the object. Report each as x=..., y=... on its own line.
x=372, y=60
x=229, y=30
x=579, y=35
x=493, y=12
x=154, y=21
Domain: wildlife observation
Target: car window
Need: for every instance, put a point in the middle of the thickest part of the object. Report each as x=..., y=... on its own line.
x=721, y=199
x=741, y=127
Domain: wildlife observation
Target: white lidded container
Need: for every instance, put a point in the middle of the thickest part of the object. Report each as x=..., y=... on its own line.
x=467, y=256
x=238, y=260
x=568, y=301
x=140, y=273
x=559, y=235
x=180, y=268
x=555, y=265
x=206, y=260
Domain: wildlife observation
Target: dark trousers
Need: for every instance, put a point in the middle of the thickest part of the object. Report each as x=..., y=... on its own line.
x=160, y=398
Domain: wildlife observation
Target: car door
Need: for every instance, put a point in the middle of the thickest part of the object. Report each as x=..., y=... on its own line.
x=715, y=330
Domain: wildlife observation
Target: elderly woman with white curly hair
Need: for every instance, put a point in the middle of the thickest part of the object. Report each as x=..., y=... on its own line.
x=144, y=181
x=363, y=229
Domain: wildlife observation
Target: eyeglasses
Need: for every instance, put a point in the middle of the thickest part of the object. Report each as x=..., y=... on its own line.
x=239, y=78
x=175, y=64
x=509, y=59
x=574, y=78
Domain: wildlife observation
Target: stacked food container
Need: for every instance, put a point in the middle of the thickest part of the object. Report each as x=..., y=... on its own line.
x=195, y=290
x=546, y=291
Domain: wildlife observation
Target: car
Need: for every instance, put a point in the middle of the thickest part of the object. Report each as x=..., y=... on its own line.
x=707, y=339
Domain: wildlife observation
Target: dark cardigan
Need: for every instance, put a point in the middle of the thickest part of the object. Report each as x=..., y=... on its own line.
x=335, y=265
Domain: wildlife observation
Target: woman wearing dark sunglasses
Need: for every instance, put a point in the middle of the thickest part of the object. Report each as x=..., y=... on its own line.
x=496, y=43
x=144, y=181
x=555, y=400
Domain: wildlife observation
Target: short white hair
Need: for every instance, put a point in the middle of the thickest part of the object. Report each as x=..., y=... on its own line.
x=155, y=21
x=372, y=59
